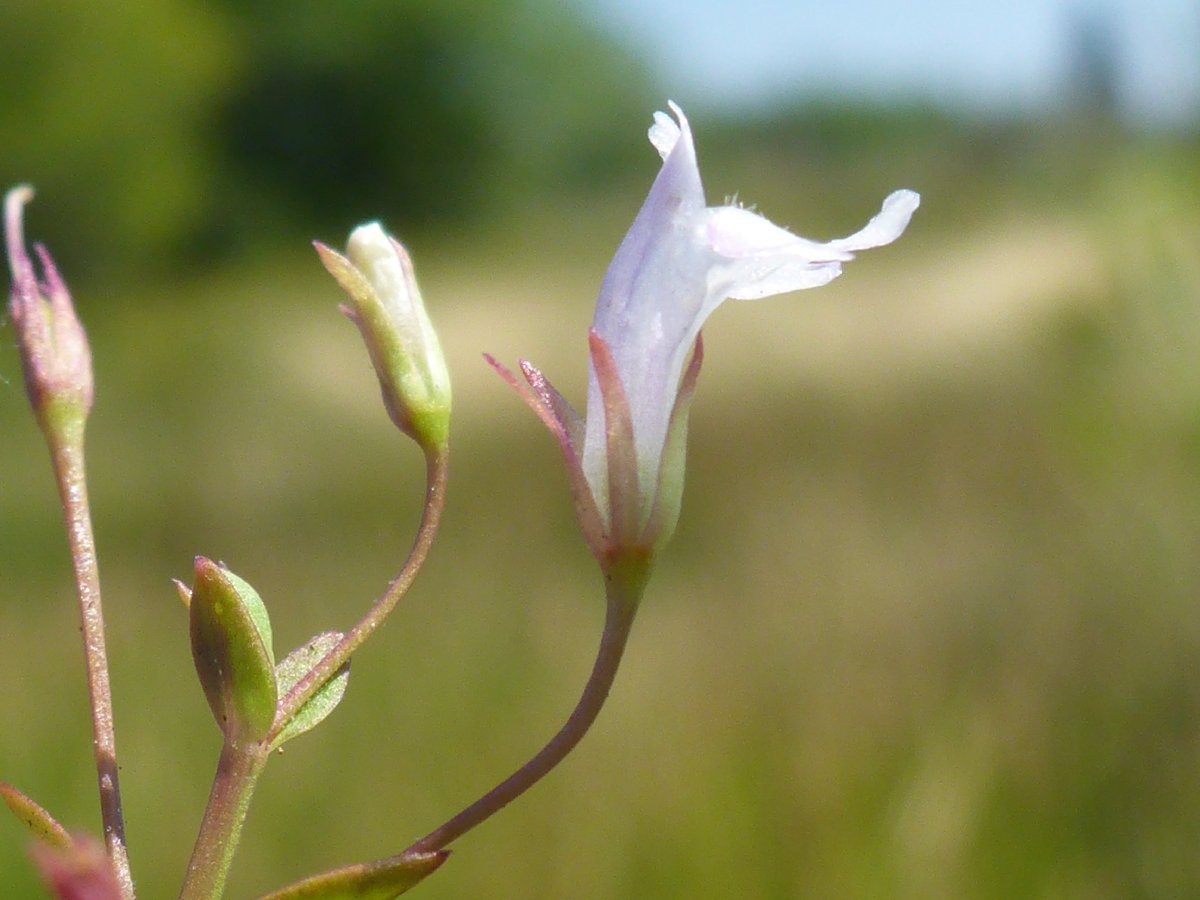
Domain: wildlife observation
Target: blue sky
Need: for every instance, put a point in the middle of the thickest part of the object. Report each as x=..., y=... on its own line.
x=964, y=53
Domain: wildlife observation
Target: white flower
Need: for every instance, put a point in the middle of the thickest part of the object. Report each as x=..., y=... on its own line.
x=678, y=262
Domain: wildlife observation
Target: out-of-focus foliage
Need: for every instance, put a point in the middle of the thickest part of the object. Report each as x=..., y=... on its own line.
x=165, y=131
x=424, y=108
x=105, y=109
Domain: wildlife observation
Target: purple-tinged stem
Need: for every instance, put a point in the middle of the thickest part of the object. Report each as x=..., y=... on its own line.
x=67, y=457
x=436, y=471
x=57, y=363
x=617, y=625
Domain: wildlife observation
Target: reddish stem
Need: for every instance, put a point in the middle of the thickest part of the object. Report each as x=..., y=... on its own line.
x=436, y=470
x=67, y=456
x=619, y=620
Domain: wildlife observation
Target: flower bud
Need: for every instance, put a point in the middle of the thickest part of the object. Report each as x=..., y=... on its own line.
x=386, y=305
x=55, y=355
x=231, y=646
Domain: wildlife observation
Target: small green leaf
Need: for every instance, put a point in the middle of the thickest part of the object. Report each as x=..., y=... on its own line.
x=39, y=822
x=294, y=667
x=231, y=646
x=383, y=879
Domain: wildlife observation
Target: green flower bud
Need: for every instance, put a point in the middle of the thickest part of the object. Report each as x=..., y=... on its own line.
x=386, y=305
x=231, y=646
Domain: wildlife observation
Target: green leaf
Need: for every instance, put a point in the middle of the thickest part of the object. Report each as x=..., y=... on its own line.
x=383, y=879
x=40, y=823
x=231, y=646
x=294, y=667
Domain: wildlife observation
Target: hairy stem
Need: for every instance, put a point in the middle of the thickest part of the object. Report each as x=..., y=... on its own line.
x=436, y=470
x=228, y=803
x=618, y=621
x=67, y=456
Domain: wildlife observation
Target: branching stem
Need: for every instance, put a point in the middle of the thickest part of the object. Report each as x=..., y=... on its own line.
x=242, y=763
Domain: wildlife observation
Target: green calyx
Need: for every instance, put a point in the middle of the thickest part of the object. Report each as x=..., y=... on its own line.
x=386, y=305
x=231, y=646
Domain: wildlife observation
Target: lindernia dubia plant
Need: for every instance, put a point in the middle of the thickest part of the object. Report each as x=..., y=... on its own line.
x=680, y=260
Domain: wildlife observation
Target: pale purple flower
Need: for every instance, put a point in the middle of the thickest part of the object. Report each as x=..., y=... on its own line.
x=679, y=261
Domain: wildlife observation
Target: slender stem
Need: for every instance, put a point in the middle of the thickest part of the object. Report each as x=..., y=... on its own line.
x=618, y=621
x=436, y=470
x=237, y=775
x=67, y=457
x=241, y=764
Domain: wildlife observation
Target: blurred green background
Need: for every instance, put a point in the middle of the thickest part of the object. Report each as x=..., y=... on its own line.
x=929, y=627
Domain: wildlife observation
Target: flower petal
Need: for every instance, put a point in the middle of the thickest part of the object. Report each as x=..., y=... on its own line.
x=755, y=278
x=664, y=134
x=887, y=225
x=771, y=260
x=734, y=232
x=651, y=295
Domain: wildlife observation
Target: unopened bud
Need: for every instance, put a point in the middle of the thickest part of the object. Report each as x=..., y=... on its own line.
x=386, y=305
x=55, y=355
x=231, y=646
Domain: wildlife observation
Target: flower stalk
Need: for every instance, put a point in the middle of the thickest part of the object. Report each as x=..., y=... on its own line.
x=385, y=304
x=624, y=596
x=67, y=455
x=57, y=364
x=238, y=771
x=436, y=470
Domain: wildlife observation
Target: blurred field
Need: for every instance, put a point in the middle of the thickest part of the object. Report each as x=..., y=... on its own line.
x=928, y=629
